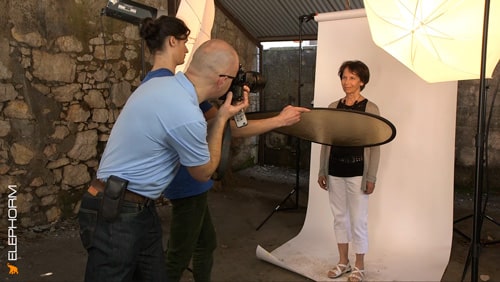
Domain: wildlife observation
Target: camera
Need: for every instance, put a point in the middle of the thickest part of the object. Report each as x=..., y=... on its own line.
x=254, y=80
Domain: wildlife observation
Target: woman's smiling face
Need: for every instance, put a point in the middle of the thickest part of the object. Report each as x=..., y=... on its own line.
x=351, y=83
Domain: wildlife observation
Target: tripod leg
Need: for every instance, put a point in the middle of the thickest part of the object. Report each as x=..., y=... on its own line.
x=467, y=263
x=492, y=220
x=277, y=208
x=461, y=234
x=462, y=218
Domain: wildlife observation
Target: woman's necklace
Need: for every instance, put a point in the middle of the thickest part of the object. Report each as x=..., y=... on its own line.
x=351, y=101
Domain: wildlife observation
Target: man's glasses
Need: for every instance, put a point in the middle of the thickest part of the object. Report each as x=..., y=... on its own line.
x=226, y=75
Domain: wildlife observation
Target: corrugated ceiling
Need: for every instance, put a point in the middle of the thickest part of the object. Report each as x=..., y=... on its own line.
x=275, y=20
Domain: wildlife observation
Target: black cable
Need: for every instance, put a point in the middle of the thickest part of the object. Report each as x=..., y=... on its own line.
x=143, y=61
x=103, y=36
x=103, y=40
x=486, y=163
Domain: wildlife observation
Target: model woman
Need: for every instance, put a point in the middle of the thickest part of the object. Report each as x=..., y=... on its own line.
x=349, y=175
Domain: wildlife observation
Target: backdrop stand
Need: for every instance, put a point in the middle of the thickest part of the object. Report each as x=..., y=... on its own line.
x=296, y=188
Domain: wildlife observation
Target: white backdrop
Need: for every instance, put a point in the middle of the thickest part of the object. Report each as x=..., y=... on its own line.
x=411, y=210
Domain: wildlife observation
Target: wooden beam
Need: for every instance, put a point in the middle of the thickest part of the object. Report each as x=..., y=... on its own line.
x=172, y=7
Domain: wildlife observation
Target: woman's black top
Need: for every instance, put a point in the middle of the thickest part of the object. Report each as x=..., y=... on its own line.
x=347, y=161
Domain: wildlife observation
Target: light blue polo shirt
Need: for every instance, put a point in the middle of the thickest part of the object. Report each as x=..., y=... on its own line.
x=160, y=126
x=183, y=185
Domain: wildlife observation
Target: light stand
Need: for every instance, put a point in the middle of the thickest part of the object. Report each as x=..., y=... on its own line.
x=480, y=141
x=484, y=201
x=295, y=189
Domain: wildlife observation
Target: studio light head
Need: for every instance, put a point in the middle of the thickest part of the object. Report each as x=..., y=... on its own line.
x=130, y=11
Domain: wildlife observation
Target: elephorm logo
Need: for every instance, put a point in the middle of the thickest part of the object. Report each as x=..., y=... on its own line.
x=11, y=230
x=12, y=269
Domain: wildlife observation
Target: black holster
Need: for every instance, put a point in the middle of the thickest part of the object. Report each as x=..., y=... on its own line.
x=113, y=197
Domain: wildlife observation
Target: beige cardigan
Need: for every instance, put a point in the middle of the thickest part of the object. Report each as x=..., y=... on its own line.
x=371, y=154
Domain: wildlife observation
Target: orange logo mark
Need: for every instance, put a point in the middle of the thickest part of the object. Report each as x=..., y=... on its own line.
x=12, y=269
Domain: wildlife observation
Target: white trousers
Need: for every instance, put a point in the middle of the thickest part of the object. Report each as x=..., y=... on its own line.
x=349, y=206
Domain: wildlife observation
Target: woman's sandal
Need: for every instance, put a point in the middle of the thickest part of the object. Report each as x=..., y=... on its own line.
x=357, y=275
x=338, y=270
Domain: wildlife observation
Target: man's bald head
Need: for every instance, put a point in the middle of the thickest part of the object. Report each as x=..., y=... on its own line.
x=214, y=57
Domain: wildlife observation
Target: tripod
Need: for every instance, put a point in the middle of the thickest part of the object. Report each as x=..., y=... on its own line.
x=295, y=189
x=481, y=244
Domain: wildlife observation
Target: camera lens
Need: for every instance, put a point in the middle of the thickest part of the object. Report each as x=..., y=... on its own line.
x=255, y=81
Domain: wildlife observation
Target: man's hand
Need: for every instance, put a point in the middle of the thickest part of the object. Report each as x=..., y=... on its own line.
x=228, y=110
x=290, y=115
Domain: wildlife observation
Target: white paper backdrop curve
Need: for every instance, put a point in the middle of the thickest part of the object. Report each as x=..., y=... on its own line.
x=411, y=210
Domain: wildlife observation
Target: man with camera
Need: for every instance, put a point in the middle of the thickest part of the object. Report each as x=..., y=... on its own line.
x=192, y=234
x=160, y=127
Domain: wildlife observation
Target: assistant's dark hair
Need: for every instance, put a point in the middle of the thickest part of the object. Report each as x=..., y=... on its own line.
x=358, y=68
x=154, y=32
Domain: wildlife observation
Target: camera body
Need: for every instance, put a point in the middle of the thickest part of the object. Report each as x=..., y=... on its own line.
x=254, y=80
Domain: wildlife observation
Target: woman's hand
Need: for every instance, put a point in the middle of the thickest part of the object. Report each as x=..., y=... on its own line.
x=370, y=187
x=322, y=182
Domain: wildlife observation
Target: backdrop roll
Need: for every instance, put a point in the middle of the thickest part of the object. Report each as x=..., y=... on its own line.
x=411, y=210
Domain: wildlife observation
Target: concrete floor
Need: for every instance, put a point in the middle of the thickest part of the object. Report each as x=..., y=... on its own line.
x=54, y=253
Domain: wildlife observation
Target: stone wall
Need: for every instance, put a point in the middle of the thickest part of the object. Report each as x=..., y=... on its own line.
x=65, y=73
x=466, y=131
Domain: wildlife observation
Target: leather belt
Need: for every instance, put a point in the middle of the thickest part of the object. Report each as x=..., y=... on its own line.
x=97, y=186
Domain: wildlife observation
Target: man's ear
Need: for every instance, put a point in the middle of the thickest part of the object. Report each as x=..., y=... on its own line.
x=220, y=81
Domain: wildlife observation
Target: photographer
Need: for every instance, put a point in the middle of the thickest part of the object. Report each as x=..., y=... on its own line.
x=192, y=234
x=159, y=128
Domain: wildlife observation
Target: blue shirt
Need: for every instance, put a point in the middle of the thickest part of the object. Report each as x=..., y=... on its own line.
x=183, y=185
x=156, y=130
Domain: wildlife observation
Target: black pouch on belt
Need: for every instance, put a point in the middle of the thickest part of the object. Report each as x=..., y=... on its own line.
x=113, y=197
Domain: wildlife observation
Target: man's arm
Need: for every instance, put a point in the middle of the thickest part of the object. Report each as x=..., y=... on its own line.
x=288, y=116
x=214, y=138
